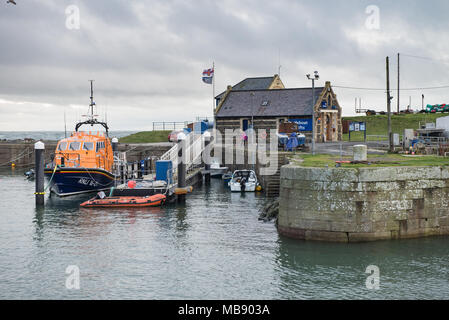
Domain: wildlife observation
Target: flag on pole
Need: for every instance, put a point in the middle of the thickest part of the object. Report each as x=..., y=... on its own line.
x=208, y=76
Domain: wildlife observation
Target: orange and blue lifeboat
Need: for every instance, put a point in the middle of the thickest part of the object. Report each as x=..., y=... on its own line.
x=82, y=163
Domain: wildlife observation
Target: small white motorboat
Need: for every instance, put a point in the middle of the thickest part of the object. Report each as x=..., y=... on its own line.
x=216, y=170
x=243, y=181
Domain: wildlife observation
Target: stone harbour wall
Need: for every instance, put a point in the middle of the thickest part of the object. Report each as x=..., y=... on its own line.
x=363, y=204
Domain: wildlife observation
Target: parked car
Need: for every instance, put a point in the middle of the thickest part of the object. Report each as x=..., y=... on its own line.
x=173, y=136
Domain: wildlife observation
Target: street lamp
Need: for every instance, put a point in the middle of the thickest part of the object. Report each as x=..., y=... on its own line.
x=316, y=76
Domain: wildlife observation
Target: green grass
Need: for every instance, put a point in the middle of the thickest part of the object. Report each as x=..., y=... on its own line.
x=146, y=137
x=386, y=160
x=378, y=125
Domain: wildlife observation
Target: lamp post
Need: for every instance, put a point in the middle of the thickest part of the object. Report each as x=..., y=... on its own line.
x=316, y=76
x=251, y=132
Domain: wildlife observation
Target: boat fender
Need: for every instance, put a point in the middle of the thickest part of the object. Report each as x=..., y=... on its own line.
x=185, y=190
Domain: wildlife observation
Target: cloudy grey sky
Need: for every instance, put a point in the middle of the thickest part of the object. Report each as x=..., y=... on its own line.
x=147, y=57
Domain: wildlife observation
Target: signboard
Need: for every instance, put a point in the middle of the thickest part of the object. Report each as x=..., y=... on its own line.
x=357, y=127
x=303, y=124
x=362, y=126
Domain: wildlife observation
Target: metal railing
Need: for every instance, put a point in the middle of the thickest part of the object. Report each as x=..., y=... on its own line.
x=166, y=126
x=194, y=150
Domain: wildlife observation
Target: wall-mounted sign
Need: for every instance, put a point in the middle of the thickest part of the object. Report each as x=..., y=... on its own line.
x=303, y=124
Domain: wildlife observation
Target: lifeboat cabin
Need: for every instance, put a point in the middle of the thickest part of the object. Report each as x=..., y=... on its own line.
x=82, y=163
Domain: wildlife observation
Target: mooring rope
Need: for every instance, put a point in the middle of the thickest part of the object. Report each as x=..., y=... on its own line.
x=20, y=156
x=51, y=179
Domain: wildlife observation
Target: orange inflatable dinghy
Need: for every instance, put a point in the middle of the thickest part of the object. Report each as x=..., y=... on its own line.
x=118, y=202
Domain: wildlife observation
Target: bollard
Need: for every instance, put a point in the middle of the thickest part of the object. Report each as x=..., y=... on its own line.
x=360, y=153
x=114, y=145
x=181, y=170
x=207, y=138
x=39, y=149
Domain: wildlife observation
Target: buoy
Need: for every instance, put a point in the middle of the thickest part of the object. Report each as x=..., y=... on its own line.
x=259, y=188
x=132, y=184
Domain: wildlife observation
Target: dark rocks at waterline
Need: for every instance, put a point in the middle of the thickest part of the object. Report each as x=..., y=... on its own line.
x=270, y=211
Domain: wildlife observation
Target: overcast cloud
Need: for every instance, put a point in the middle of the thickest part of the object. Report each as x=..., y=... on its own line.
x=147, y=57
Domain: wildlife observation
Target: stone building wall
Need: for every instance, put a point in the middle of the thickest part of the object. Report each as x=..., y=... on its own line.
x=365, y=204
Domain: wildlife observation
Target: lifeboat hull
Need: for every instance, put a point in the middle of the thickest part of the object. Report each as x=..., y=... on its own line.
x=126, y=202
x=72, y=181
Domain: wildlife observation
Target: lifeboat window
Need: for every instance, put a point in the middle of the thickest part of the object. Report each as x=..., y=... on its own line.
x=62, y=146
x=88, y=146
x=75, y=145
x=100, y=145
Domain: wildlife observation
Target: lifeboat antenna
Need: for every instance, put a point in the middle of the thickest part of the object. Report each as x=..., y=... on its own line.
x=92, y=103
x=91, y=117
x=65, y=125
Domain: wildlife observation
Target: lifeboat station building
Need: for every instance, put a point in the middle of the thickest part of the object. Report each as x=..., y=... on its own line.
x=266, y=102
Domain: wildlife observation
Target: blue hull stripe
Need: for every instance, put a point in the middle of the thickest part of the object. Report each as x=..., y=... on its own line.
x=79, y=180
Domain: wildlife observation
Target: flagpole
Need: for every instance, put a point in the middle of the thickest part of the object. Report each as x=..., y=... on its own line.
x=213, y=90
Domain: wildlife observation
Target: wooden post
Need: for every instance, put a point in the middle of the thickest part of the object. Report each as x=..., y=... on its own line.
x=390, y=136
x=181, y=169
x=207, y=138
x=398, y=82
x=39, y=149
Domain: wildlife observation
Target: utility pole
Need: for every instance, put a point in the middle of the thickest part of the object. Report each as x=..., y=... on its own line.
x=390, y=135
x=399, y=74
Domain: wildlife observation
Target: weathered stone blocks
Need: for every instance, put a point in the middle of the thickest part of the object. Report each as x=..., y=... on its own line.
x=363, y=204
x=360, y=153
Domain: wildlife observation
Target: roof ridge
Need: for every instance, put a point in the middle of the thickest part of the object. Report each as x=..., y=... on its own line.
x=258, y=78
x=274, y=90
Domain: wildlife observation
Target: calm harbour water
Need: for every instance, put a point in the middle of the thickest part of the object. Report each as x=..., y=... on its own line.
x=213, y=247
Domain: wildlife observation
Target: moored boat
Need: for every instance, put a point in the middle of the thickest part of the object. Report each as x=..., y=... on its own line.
x=84, y=161
x=216, y=170
x=125, y=202
x=243, y=181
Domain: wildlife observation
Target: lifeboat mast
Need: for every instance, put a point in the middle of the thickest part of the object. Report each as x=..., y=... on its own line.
x=91, y=120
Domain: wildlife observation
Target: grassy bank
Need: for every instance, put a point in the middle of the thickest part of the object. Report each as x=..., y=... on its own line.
x=387, y=160
x=146, y=137
x=378, y=125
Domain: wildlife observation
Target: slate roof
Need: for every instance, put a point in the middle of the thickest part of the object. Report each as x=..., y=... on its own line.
x=281, y=102
x=251, y=84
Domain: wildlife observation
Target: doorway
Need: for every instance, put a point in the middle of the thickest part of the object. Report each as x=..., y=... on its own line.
x=328, y=127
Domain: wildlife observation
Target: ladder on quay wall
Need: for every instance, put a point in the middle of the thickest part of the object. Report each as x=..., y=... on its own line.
x=272, y=183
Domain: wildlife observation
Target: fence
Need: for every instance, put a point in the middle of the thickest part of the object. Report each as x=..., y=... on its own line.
x=166, y=126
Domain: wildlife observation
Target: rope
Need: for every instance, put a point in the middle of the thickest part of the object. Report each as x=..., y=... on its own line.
x=51, y=179
x=20, y=156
